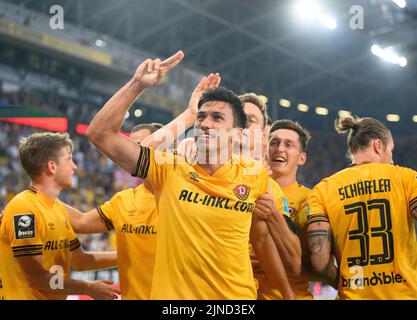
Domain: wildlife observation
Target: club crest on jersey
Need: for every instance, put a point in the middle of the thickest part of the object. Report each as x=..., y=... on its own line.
x=241, y=191
x=24, y=226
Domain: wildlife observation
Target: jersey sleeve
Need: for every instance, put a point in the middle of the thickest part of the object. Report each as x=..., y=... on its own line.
x=153, y=166
x=411, y=188
x=280, y=199
x=109, y=210
x=316, y=211
x=24, y=229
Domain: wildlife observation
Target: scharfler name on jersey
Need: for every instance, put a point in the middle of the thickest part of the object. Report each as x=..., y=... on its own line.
x=216, y=202
x=364, y=187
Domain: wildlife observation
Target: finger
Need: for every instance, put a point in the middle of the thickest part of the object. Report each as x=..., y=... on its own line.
x=107, y=281
x=117, y=291
x=173, y=60
x=149, y=65
x=217, y=80
x=206, y=83
x=157, y=64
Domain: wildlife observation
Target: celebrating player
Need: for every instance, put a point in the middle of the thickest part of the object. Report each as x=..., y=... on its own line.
x=364, y=214
x=37, y=243
x=205, y=208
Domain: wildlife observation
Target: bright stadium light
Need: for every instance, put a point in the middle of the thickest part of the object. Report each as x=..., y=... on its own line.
x=322, y=111
x=138, y=113
x=388, y=54
x=415, y=118
x=309, y=11
x=393, y=117
x=400, y=3
x=344, y=113
x=100, y=43
x=302, y=107
x=327, y=21
x=284, y=103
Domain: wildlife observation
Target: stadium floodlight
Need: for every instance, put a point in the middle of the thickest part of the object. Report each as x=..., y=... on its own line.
x=344, y=113
x=138, y=113
x=327, y=21
x=302, y=107
x=309, y=11
x=284, y=103
x=393, y=117
x=388, y=54
x=322, y=111
x=415, y=118
x=400, y=3
x=100, y=43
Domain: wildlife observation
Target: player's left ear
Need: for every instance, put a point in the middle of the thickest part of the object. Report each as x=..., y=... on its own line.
x=302, y=158
x=378, y=146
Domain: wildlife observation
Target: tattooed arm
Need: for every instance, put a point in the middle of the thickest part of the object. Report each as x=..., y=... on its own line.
x=319, y=242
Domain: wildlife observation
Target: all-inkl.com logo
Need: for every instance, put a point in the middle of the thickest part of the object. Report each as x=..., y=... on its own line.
x=241, y=192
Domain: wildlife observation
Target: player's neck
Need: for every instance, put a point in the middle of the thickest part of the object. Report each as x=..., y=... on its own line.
x=211, y=164
x=49, y=189
x=285, y=180
x=365, y=157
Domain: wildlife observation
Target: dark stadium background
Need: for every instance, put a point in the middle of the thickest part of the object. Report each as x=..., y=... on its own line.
x=256, y=46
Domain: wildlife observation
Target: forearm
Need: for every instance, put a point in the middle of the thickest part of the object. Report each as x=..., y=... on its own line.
x=96, y=260
x=287, y=243
x=110, y=118
x=75, y=218
x=319, y=242
x=171, y=131
x=269, y=258
x=57, y=283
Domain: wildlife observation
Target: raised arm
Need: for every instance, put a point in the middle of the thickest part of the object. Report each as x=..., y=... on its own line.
x=186, y=119
x=286, y=240
x=269, y=257
x=43, y=280
x=104, y=129
x=86, y=223
x=319, y=241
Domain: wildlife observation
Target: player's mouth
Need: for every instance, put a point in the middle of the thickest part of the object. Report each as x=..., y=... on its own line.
x=279, y=160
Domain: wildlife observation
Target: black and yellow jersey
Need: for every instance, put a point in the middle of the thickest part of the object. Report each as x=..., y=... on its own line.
x=368, y=207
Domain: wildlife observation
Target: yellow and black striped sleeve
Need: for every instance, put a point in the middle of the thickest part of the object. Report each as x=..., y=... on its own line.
x=75, y=244
x=29, y=250
x=317, y=218
x=107, y=221
x=413, y=204
x=144, y=160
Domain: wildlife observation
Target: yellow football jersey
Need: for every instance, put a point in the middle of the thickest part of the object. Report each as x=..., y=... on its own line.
x=133, y=215
x=297, y=197
x=368, y=207
x=34, y=225
x=204, y=225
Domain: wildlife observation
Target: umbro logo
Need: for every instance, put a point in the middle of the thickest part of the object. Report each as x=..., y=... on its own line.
x=195, y=176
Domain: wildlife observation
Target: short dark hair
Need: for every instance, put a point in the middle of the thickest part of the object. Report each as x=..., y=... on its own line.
x=222, y=94
x=257, y=101
x=269, y=121
x=303, y=134
x=361, y=131
x=152, y=127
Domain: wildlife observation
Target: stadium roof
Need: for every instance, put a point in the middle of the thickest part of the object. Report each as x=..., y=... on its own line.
x=260, y=46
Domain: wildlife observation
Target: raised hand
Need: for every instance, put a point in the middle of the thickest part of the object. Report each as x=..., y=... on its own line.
x=265, y=206
x=209, y=82
x=151, y=72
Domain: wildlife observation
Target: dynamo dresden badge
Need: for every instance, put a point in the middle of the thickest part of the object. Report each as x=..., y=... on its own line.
x=241, y=191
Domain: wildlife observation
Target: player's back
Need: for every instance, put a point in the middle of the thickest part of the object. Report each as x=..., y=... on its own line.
x=368, y=207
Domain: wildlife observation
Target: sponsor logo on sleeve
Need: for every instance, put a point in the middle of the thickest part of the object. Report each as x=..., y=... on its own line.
x=24, y=226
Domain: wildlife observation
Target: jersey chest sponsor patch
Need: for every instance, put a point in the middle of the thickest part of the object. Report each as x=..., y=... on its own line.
x=24, y=226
